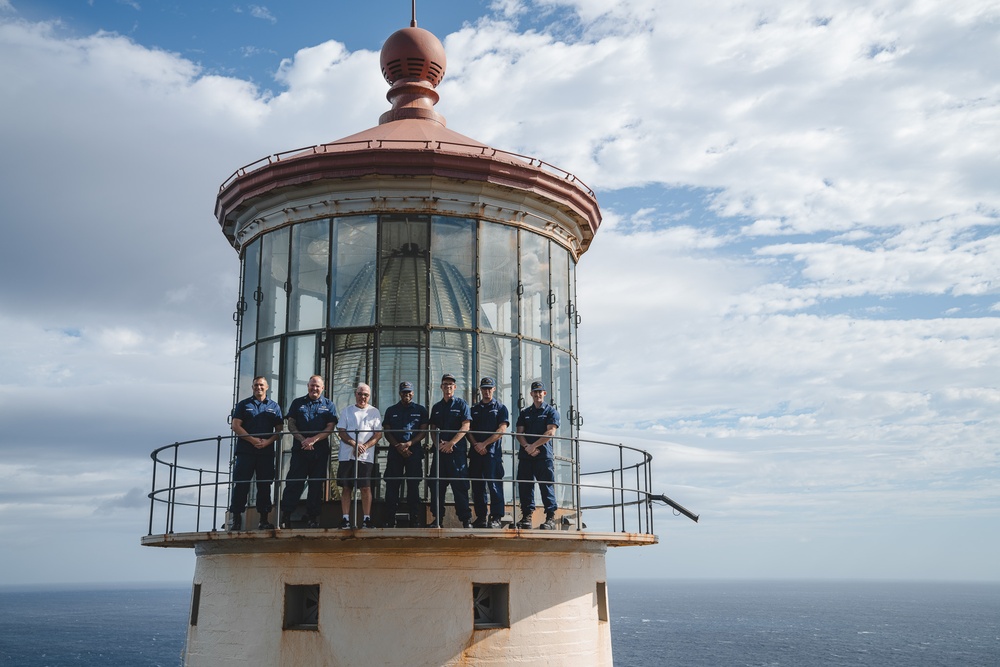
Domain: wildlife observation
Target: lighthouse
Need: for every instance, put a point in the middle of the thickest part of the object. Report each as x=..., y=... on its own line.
x=402, y=253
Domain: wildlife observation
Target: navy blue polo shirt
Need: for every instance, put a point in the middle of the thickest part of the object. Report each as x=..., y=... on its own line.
x=487, y=417
x=449, y=415
x=257, y=417
x=402, y=420
x=312, y=417
x=535, y=421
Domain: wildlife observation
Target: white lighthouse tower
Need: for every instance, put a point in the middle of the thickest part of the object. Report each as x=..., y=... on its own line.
x=399, y=253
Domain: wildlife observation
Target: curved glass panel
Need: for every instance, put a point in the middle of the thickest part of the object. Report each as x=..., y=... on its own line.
x=535, y=365
x=273, y=278
x=353, y=363
x=535, y=283
x=301, y=363
x=401, y=356
x=451, y=352
x=498, y=360
x=453, y=271
x=353, y=270
x=498, y=277
x=310, y=267
x=562, y=398
x=574, y=316
x=403, y=270
x=560, y=295
x=564, y=482
x=251, y=293
x=244, y=383
x=269, y=365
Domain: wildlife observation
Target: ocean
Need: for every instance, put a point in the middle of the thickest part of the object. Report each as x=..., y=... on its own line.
x=653, y=624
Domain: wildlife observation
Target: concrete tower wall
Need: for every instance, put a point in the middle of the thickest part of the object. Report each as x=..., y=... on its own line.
x=403, y=603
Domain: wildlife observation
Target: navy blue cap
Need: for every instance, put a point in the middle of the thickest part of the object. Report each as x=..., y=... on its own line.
x=487, y=383
x=405, y=386
x=537, y=386
x=447, y=377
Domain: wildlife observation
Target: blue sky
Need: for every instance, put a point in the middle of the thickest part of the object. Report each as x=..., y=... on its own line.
x=792, y=301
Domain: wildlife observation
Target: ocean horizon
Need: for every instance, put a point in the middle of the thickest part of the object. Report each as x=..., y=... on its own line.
x=670, y=623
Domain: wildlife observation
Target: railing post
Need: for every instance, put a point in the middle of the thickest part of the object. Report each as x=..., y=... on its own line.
x=275, y=495
x=197, y=515
x=621, y=473
x=152, y=494
x=576, y=484
x=171, y=505
x=649, y=486
x=218, y=462
x=638, y=499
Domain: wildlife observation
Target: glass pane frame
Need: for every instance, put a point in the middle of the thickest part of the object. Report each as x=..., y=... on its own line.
x=535, y=305
x=404, y=254
x=453, y=272
x=353, y=296
x=250, y=297
x=273, y=309
x=559, y=301
x=309, y=275
x=498, y=278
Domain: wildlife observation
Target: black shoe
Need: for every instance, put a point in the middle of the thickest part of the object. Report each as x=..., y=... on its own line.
x=367, y=523
x=313, y=522
x=478, y=523
x=265, y=525
x=236, y=523
x=345, y=524
x=467, y=523
x=525, y=522
x=494, y=523
x=434, y=524
x=549, y=524
x=286, y=522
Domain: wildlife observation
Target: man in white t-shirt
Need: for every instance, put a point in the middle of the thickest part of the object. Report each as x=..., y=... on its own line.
x=360, y=429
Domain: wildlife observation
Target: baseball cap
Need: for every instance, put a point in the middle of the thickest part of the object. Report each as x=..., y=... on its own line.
x=447, y=377
x=487, y=383
x=405, y=386
x=537, y=386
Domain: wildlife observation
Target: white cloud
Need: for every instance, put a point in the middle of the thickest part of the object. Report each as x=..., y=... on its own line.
x=262, y=12
x=826, y=153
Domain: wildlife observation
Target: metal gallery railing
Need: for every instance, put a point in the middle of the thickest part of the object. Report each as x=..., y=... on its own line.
x=403, y=144
x=192, y=484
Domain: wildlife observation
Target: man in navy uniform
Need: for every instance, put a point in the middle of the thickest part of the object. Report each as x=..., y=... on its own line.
x=535, y=461
x=490, y=419
x=404, y=426
x=257, y=422
x=450, y=416
x=311, y=420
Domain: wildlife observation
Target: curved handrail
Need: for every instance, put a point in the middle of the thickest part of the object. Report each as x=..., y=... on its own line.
x=398, y=144
x=616, y=495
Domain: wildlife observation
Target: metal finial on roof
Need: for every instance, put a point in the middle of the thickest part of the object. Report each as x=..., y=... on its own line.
x=413, y=21
x=413, y=63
